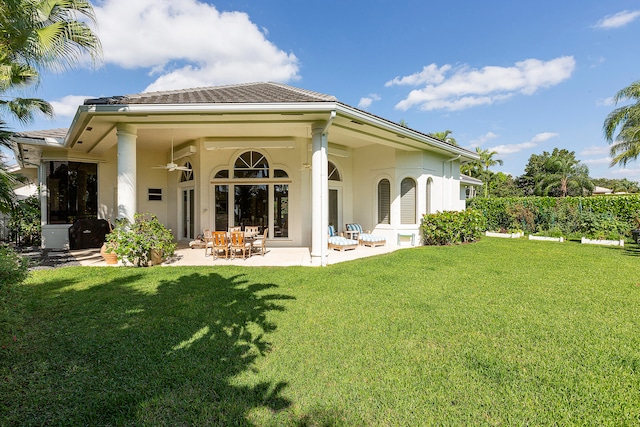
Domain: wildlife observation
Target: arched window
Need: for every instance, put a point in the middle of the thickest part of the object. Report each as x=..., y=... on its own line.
x=334, y=174
x=188, y=174
x=408, y=201
x=251, y=164
x=384, y=201
x=252, y=194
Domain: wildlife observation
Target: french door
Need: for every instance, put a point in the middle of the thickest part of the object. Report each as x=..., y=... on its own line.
x=188, y=209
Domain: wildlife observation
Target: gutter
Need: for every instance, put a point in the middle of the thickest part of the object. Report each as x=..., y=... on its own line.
x=331, y=118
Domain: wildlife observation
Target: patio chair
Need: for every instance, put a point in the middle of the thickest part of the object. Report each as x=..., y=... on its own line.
x=251, y=230
x=340, y=243
x=232, y=229
x=259, y=244
x=365, y=237
x=220, y=244
x=208, y=242
x=238, y=244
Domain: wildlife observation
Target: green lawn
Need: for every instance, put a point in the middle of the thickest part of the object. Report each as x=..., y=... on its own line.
x=501, y=332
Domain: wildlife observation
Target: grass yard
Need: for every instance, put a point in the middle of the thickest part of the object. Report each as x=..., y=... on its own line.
x=501, y=332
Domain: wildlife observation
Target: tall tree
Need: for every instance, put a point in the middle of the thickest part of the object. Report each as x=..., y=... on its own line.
x=563, y=175
x=487, y=161
x=36, y=35
x=445, y=136
x=626, y=145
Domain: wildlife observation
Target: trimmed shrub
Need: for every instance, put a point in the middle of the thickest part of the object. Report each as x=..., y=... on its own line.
x=13, y=271
x=14, y=268
x=446, y=228
x=572, y=215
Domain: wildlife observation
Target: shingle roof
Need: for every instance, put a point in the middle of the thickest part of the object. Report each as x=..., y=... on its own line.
x=59, y=133
x=240, y=93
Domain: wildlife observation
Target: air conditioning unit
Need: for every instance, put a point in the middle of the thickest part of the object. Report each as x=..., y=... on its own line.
x=184, y=152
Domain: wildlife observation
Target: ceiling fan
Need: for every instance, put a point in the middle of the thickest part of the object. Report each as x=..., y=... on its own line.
x=172, y=166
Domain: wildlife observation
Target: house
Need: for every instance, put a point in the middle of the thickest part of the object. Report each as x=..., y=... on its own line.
x=263, y=154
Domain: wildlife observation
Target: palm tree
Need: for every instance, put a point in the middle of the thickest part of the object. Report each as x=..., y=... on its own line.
x=564, y=173
x=444, y=136
x=486, y=161
x=40, y=34
x=626, y=145
x=37, y=35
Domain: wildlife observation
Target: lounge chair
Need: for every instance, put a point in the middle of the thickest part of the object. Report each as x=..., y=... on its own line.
x=238, y=244
x=220, y=244
x=340, y=243
x=260, y=242
x=365, y=237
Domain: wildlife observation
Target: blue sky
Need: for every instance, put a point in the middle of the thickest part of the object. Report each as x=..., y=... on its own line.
x=516, y=77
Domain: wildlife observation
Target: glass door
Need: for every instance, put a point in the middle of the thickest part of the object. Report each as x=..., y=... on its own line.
x=188, y=197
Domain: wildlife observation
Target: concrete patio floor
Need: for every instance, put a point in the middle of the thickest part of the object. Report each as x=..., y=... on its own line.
x=274, y=257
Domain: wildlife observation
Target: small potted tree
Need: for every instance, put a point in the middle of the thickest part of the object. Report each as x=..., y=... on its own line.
x=145, y=242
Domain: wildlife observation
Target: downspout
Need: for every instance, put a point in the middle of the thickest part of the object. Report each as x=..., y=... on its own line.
x=332, y=116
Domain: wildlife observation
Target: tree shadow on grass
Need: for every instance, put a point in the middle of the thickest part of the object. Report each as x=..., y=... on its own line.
x=167, y=353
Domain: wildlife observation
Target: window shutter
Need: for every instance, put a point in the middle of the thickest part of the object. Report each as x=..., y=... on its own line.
x=384, y=202
x=408, y=201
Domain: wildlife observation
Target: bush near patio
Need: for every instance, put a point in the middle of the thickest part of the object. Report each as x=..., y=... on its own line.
x=595, y=216
x=446, y=228
x=13, y=271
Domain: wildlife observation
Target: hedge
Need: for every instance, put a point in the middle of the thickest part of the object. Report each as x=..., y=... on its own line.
x=446, y=228
x=610, y=214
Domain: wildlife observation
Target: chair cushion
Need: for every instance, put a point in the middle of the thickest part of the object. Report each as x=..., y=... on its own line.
x=354, y=227
x=332, y=231
x=372, y=238
x=341, y=241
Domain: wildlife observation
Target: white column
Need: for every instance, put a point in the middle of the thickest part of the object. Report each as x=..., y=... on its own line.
x=319, y=196
x=127, y=197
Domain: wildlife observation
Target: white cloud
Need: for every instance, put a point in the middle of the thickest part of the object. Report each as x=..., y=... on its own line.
x=606, y=102
x=482, y=139
x=429, y=74
x=633, y=173
x=595, y=150
x=618, y=20
x=467, y=88
x=534, y=142
x=599, y=161
x=365, y=102
x=189, y=43
x=66, y=107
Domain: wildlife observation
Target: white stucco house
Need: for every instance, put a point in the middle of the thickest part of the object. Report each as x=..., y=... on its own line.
x=263, y=154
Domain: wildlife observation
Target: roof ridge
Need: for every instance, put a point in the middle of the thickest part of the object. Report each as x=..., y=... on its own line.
x=190, y=89
x=323, y=96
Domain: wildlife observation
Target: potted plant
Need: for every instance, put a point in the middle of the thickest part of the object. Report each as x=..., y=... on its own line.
x=107, y=250
x=145, y=242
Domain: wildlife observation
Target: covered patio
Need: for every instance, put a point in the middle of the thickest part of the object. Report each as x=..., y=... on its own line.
x=274, y=257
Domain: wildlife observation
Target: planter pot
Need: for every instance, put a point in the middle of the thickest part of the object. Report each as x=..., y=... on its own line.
x=602, y=242
x=156, y=257
x=109, y=257
x=546, y=238
x=504, y=235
